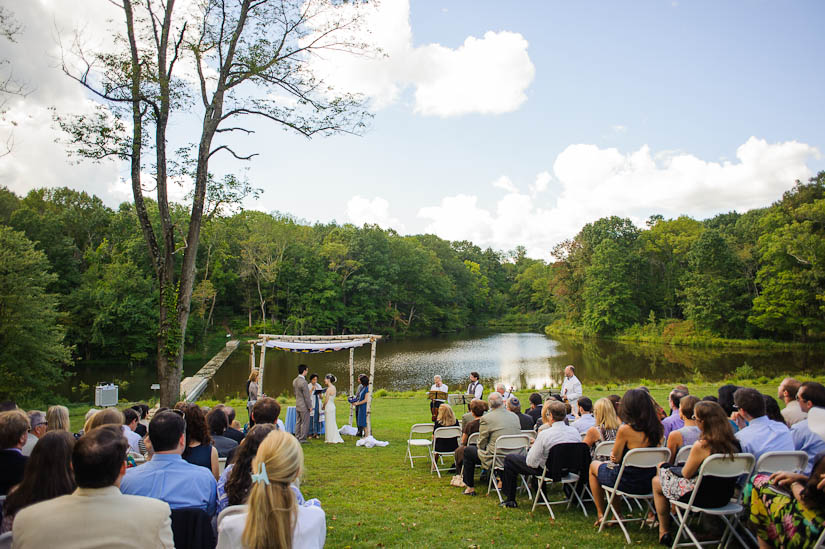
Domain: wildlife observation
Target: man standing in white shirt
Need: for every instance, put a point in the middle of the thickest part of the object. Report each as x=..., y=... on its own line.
x=475, y=388
x=571, y=388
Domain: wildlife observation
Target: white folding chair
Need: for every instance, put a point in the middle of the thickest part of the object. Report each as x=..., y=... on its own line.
x=473, y=439
x=419, y=429
x=531, y=434
x=6, y=541
x=717, y=465
x=603, y=449
x=643, y=458
x=229, y=511
x=682, y=454
x=771, y=462
x=443, y=433
x=820, y=543
x=221, y=465
x=566, y=449
x=505, y=445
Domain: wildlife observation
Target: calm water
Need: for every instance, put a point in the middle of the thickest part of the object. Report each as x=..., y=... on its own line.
x=522, y=360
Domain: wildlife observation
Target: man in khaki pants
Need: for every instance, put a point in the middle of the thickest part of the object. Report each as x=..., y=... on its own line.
x=303, y=403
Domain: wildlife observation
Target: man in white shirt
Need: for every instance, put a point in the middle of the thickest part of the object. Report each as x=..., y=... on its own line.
x=586, y=419
x=475, y=388
x=571, y=388
x=37, y=420
x=811, y=396
x=436, y=403
x=130, y=421
x=533, y=462
x=787, y=393
x=502, y=390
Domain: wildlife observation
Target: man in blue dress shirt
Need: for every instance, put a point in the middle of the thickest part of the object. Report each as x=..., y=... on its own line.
x=674, y=422
x=762, y=434
x=167, y=476
x=810, y=395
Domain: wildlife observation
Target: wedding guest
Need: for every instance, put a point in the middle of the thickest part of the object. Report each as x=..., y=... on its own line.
x=218, y=424
x=199, y=449
x=57, y=419
x=716, y=437
x=502, y=390
x=787, y=394
x=235, y=481
x=811, y=397
x=641, y=429
x=444, y=418
x=725, y=400
x=167, y=476
x=251, y=392
x=546, y=420
x=107, y=416
x=525, y=421
x=673, y=421
x=231, y=431
x=38, y=426
x=130, y=422
x=772, y=410
x=14, y=431
x=48, y=474
x=477, y=409
x=535, y=408
x=761, y=434
x=435, y=403
x=689, y=433
x=586, y=419
x=274, y=517
x=267, y=410
x=360, y=403
x=142, y=426
x=498, y=422
x=315, y=411
x=606, y=426
x=468, y=417
x=97, y=515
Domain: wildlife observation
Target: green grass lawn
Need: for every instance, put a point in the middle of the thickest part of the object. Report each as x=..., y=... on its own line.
x=372, y=498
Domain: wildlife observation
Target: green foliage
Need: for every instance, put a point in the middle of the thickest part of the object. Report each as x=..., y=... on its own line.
x=609, y=294
x=745, y=371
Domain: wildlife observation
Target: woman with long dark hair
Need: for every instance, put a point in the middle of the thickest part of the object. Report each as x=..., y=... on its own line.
x=48, y=474
x=716, y=437
x=199, y=449
x=641, y=429
x=235, y=481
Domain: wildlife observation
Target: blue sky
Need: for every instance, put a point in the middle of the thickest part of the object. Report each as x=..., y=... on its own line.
x=633, y=108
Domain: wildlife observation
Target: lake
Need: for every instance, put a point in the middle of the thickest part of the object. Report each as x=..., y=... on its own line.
x=521, y=360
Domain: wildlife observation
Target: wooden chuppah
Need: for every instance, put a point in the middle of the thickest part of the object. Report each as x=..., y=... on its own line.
x=326, y=344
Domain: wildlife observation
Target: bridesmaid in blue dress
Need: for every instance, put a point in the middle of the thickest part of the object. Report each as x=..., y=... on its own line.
x=361, y=404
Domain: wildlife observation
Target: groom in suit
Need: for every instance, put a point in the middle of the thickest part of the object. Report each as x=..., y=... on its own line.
x=303, y=403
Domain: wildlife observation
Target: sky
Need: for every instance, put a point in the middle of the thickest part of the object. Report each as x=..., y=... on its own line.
x=502, y=123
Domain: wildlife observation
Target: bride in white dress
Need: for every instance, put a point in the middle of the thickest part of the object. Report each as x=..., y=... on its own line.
x=331, y=425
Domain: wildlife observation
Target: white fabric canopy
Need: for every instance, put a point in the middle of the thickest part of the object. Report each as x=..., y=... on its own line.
x=301, y=347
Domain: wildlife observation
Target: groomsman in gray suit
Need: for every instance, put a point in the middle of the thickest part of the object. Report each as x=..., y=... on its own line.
x=303, y=403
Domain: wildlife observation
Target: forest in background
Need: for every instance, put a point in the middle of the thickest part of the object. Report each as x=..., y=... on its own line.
x=76, y=282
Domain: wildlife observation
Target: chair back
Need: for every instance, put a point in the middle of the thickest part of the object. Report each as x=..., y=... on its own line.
x=447, y=432
x=531, y=434
x=568, y=457
x=721, y=465
x=509, y=444
x=473, y=439
x=192, y=529
x=682, y=454
x=604, y=449
x=229, y=511
x=5, y=540
x=645, y=458
x=221, y=464
x=771, y=462
x=421, y=429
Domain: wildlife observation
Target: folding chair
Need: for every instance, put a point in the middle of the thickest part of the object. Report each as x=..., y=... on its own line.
x=643, y=458
x=570, y=454
x=221, y=465
x=771, y=462
x=603, y=449
x=419, y=429
x=229, y=511
x=682, y=454
x=6, y=540
x=717, y=465
x=440, y=434
x=506, y=445
x=820, y=543
x=531, y=434
x=472, y=440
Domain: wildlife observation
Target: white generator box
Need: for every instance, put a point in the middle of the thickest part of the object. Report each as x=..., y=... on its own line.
x=106, y=394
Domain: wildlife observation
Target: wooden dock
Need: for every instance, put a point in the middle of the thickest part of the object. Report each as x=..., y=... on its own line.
x=191, y=388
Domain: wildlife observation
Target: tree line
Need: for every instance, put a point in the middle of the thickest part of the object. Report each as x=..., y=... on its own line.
x=76, y=281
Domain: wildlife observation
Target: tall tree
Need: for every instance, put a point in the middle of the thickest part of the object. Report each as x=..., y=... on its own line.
x=247, y=56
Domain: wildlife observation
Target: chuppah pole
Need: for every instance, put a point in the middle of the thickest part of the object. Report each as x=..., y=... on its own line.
x=261, y=367
x=372, y=379
x=351, y=385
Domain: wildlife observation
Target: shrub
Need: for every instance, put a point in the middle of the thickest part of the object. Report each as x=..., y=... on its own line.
x=380, y=393
x=744, y=371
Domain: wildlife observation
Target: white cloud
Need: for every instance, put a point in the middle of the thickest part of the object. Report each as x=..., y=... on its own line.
x=618, y=128
x=373, y=212
x=600, y=182
x=487, y=75
x=505, y=183
x=542, y=182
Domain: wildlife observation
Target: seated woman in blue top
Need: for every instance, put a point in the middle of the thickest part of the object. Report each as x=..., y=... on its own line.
x=360, y=403
x=199, y=449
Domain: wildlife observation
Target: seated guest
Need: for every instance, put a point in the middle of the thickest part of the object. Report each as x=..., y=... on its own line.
x=787, y=394
x=673, y=421
x=235, y=481
x=57, y=419
x=761, y=434
x=130, y=423
x=725, y=400
x=48, y=475
x=716, y=437
x=641, y=429
x=199, y=449
x=710, y=398
x=97, y=515
x=535, y=409
x=546, y=421
x=107, y=416
x=143, y=423
x=39, y=426
x=502, y=390
x=570, y=416
x=14, y=431
x=497, y=422
x=586, y=419
x=607, y=423
x=468, y=417
x=167, y=476
x=772, y=410
x=615, y=399
x=267, y=410
x=231, y=432
x=788, y=509
x=218, y=423
x=526, y=422
x=274, y=517
x=533, y=462
x=688, y=434
x=444, y=418
x=810, y=395
x=477, y=409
